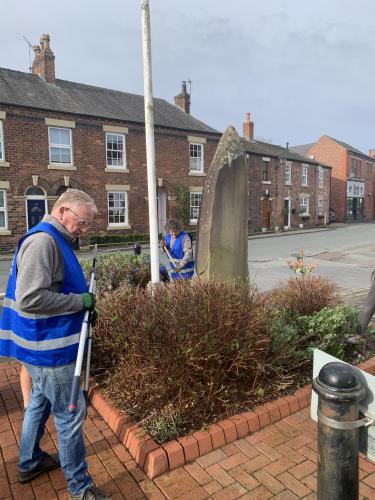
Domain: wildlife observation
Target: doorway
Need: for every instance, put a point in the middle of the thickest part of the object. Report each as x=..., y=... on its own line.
x=286, y=213
x=36, y=206
x=266, y=213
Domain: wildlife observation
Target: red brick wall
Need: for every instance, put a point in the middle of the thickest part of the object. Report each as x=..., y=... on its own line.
x=26, y=149
x=278, y=190
x=331, y=153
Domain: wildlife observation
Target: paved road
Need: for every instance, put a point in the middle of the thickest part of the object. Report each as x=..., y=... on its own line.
x=345, y=255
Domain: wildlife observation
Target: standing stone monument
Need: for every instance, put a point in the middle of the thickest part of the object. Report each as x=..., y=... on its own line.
x=221, y=252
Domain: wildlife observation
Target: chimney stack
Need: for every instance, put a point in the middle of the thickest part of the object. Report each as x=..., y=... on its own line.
x=248, y=127
x=371, y=152
x=182, y=100
x=44, y=60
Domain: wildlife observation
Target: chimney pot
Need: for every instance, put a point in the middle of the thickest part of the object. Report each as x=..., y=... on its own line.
x=44, y=59
x=371, y=152
x=182, y=100
x=248, y=127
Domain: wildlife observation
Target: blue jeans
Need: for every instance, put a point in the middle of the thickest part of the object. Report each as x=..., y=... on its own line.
x=51, y=393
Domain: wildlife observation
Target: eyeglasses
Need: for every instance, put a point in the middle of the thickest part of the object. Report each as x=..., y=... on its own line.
x=81, y=221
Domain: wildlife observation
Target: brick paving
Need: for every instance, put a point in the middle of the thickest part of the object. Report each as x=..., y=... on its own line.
x=276, y=462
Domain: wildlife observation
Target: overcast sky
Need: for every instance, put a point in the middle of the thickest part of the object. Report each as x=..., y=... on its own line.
x=302, y=68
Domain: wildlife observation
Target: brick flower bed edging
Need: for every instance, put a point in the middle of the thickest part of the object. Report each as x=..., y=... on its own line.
x=156, y=459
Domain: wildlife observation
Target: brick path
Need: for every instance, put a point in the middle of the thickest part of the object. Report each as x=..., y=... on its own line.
x=277, y=462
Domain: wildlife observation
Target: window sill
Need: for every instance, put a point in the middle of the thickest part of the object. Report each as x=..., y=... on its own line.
x=305, y=185
x=4, y=164
x=5, y=232
x=193, y=222
x=197, y=174
x=288, y=184
x=59, y=166
x=120, y=170
x=304, y=216
x=266, y=182
x=120, y=226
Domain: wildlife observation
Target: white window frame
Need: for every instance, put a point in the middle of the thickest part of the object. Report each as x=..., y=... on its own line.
x=304, y=175
x=304, y=203
x=288, y=173
x=193, y=194
x=53, y=145
x=320, y=206
x=193, y=163
x=4, y=210
x=126, y=209
x=2, y=149
x=123, y=165
x=320, y=178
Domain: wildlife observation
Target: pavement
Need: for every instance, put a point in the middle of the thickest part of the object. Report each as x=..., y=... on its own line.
x=278, y=462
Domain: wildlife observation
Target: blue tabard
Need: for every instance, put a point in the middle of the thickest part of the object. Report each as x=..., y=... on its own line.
x=43, y=339
x=177, y=253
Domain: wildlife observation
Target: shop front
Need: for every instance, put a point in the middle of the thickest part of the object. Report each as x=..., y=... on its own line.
x=355, y=195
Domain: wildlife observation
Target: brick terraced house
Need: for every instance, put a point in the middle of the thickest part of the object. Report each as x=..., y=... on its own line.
x=56, y=134
x=353, y=182
x=286, y=189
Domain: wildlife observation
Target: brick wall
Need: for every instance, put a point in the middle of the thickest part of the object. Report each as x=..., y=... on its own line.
x=329, y=152
x=27, y=151
x=278, y=190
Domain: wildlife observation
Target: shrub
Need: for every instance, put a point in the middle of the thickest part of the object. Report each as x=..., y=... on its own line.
x=305, y=295
x=183, y=204
x=115, y=269
x=117, y=238
x=294, y=339
x=184, y=355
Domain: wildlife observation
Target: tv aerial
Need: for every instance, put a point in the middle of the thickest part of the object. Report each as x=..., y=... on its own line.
x=30, y=47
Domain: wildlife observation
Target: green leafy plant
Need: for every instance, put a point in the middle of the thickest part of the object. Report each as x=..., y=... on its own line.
x=183, y=204
x=115, y=269
x=107, y=239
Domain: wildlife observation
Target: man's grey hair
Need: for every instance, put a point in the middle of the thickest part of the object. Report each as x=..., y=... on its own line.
x=75, y=197
x=173, y=225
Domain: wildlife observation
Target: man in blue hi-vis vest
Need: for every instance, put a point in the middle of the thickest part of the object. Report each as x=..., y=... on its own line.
x=178, y=247
x=45, y=300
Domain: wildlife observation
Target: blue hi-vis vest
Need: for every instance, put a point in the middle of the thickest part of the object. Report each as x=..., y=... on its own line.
x=43, y=339
x=177, y=253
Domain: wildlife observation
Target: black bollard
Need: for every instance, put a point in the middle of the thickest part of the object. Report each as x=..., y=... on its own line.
x=339, y=390
x=137, y=249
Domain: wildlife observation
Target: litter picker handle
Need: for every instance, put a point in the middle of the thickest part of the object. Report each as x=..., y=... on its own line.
x=171, y=259
x=81, y=347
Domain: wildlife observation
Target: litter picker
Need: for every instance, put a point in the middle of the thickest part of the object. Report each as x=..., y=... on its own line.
x=85, y=332
x=171, y=259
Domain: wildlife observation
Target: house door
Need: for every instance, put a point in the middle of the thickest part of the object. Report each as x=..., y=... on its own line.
x=286, y=212
x=35, y=205
x=35, y=212
x=162, y=208
x=266, y=213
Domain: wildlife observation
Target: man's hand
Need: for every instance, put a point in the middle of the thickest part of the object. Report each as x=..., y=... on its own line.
x=178, y=268
x=162, y=244
x=89, y=301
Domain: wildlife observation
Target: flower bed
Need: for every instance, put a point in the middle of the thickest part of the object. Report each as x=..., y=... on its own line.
x=157, y=459
x=210, y=361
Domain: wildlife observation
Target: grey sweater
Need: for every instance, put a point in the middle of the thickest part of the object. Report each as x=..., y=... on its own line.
x=40, y=274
